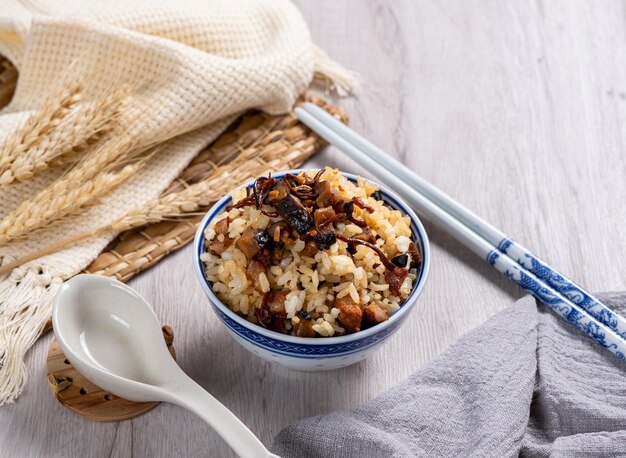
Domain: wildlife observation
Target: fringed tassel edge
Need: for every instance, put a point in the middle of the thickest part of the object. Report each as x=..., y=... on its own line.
x=334, y=76
x=25, y=306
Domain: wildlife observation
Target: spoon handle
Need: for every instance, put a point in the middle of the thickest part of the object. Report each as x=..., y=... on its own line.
x=193, y=397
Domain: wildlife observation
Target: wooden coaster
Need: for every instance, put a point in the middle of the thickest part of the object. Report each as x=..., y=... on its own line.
x=81, y=396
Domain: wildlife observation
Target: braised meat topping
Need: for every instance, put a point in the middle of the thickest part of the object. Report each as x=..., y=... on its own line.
x=277, y=303
x=221, y=227
x=263, y=314
x=323, y=217
x=309, y=207
x=350, y=313
x=222, y=241
x=247, y=243
x=374, y=314
x=253, y=272
x=315, y=215
x=304, y=328
x=326, y=195
x=310, y=248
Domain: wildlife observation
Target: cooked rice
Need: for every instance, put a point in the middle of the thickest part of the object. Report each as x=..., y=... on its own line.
x=314, y=283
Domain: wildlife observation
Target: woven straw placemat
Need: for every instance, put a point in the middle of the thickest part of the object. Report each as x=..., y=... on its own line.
x=270, y=143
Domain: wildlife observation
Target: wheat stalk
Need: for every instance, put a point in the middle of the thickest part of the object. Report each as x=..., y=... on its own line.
x=62, y=133
x=201, y=194
x=180, y=204
x=54, y=109
x=96, y=175
x=170, y=205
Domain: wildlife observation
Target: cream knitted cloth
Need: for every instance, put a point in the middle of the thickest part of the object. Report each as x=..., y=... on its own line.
x=195, y=66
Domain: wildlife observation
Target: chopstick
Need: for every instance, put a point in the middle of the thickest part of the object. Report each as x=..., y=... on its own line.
x=599, y=323
x=506, y=245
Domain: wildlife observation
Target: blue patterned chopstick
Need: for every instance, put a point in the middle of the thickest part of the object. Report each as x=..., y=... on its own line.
x=494, y=236
x=497, y=255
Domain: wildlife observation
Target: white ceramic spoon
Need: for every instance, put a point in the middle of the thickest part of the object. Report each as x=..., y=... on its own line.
x=112, y=336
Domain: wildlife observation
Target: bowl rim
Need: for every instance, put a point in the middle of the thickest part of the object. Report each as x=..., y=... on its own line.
x=407, y=306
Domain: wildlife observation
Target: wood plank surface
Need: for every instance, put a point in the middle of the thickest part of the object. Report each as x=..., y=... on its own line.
x=515, y=108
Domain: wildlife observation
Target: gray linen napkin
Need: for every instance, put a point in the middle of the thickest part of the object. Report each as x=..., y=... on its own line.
x=523, y=384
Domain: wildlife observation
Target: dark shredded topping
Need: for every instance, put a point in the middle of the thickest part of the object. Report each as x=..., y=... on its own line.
x=416, y=256
x=401, y=260
x=261, y=188
x=326, y=216
x=263, y=238
x=393, y=274
x=359, y=203
x=263, y=314
x=296, y=214
x=310, y=208
x=349, y=211
x=325, y=239
x=395, y=277
x=383, y=258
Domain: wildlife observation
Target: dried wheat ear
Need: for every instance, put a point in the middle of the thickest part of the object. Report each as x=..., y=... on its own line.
x=59, y=132
x=184, y=201
x=86, y=133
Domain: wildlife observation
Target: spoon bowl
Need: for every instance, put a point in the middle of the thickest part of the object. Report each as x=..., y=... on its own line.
x=111, y=333
x=113, y=337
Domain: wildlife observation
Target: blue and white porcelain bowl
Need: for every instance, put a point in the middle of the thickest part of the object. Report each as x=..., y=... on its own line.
x=313, y=353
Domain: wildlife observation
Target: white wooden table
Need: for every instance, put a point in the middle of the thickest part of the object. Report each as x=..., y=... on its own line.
x=515, y=108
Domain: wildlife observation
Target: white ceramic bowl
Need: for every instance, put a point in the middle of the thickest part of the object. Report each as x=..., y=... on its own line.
x=313, y=353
